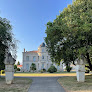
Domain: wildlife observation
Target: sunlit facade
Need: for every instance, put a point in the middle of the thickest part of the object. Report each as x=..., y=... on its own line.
x=40, y=57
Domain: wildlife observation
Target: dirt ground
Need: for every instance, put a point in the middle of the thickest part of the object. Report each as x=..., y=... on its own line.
x=19, y=85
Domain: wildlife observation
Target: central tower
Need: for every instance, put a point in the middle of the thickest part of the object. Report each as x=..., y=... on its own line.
x=42, y=54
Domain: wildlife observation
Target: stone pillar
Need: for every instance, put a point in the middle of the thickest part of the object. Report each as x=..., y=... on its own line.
x=9, y=72
x=80, y=71
x=61, y=67
x=9, y=69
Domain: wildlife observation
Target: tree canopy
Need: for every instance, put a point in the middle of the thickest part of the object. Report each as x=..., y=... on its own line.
x=7, y=41
x=69, y=36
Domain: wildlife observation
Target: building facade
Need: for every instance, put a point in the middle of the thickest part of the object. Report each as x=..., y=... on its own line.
x=40, y=58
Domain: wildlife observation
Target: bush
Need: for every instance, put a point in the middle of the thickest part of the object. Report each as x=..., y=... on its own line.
x=52, y=69
x=33, y=67
x=87, y=70
x=18, y=69
x=43, y=70
x=3, y=71
x=15, y=66
x=68, y=68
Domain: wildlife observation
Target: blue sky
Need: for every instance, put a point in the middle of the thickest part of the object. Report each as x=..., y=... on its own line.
x=28, y=19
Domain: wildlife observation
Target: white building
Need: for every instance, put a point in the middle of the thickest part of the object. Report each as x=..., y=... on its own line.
x=40, y=57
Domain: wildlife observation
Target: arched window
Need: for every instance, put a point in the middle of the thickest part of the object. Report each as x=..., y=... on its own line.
x=42, y=57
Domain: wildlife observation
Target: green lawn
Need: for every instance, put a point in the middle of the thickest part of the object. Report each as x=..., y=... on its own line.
x=48, y=72
x=70, y=84
x=19, y=85
x=66, y=72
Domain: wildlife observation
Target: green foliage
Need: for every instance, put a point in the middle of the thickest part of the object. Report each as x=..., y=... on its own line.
x=18, y=69
x=2, y=65
x=52, y=69
x=15, y=66
x=68, y=68
x=87, y=70
x=69, y=36
x=33, y=67
x=3, y=72
x=7, y=41
x=43, y=70
x=18, y=63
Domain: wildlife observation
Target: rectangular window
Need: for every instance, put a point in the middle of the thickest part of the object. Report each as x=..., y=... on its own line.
x=42, y=57
x=27, y=58
x=27, y=67
x=34, y=58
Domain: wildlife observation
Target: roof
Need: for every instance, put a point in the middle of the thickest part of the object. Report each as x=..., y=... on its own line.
x=42, y=45
x=33, y=51
x=19, y=65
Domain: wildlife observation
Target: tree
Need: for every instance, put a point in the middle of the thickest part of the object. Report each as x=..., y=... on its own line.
x=7, y=41
x=18, y=63
x=33, y=67
x=52, y=69
x=15, y=66
x=69, y=36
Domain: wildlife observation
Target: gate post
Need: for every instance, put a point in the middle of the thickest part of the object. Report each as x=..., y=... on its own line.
x=9, y=68
x=80, y=71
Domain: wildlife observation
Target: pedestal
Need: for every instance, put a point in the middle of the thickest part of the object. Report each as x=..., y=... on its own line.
x=9, y=72
x=80, y=71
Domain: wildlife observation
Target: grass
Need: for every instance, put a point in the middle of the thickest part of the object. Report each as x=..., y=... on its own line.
x=47, y=72
x=71, y=85
x=66, y=72
x=19, y=85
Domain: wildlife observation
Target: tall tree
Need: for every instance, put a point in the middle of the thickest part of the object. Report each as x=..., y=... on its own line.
x=69, y=36
x=7, y=41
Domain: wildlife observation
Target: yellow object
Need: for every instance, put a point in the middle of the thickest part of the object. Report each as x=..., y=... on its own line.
x=2, y=71
x=43, y=74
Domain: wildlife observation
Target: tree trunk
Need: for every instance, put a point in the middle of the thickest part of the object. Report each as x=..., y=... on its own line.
x=89, y=62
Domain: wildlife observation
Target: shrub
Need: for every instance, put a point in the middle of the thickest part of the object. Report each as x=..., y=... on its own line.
x=18, y=69
x=33, y=67
x=43, y=70
x=3, y=71
x=52, y=69
x=15, y=66
x=68, y=68
x=87, y=70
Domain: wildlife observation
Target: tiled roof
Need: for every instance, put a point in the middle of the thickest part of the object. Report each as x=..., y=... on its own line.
x=33, y=51
x=19, y=65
